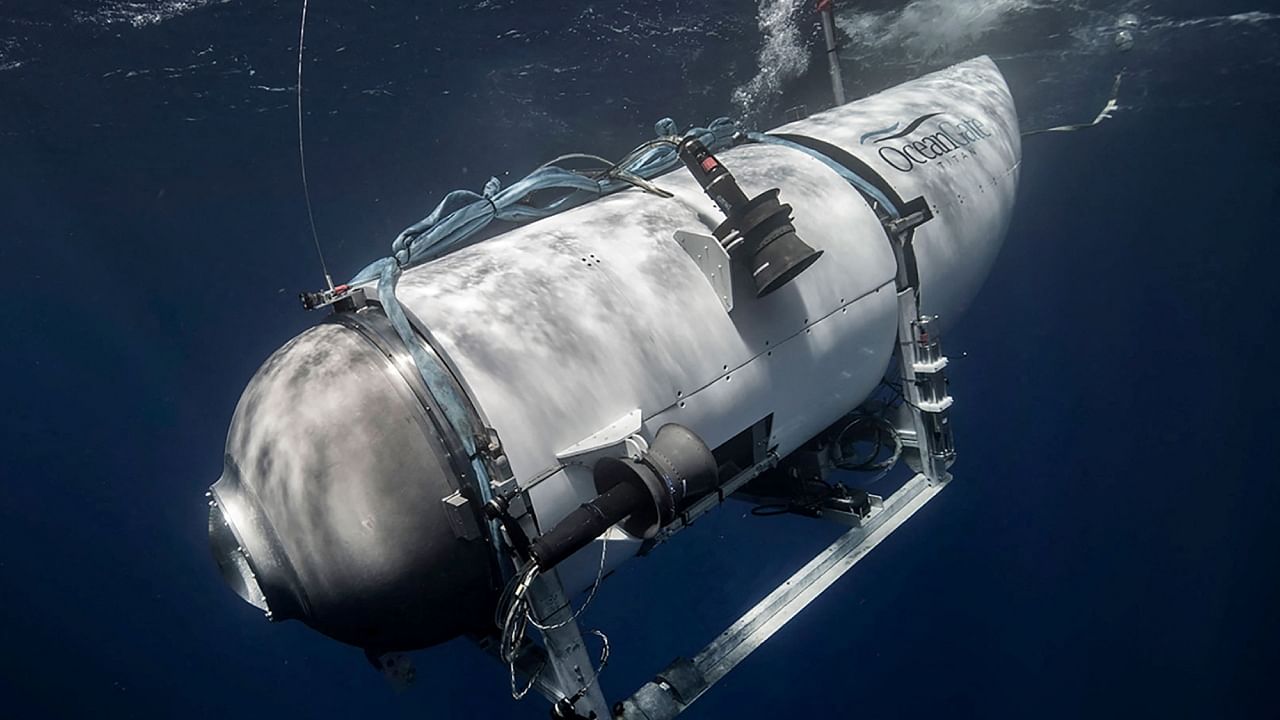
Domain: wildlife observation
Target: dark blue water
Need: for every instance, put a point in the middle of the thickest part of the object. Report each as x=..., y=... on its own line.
x=1107, y=548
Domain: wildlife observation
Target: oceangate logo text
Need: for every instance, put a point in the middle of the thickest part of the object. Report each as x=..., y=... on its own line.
x=943, y=139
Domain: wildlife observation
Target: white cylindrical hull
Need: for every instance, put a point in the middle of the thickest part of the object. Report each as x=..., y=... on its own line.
x=560, y=327
x=348, y=497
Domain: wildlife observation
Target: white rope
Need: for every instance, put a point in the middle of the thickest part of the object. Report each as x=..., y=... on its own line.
x=1107, y=112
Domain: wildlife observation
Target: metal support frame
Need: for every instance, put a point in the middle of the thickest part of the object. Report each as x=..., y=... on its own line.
x=925, y=423
x=684, y=681
x=921, y=364
x=922, y=425
x=566, y=656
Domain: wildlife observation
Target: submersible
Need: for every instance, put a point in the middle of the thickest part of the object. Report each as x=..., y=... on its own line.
x=600, y=375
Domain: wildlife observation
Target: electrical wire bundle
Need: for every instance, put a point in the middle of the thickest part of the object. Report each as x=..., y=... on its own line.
x=870, y=425
x=883, y=435
x=513, y=615
x=812, y=495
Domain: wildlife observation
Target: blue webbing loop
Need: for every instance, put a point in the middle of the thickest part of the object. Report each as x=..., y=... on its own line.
x=463, y=213
x=851, y=177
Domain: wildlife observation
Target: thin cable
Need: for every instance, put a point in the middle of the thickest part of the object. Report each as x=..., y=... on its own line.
x=513, y=616
x=550, y=189
x=903, y=398
x=604, y=660
x=604, y=547
x=512, y=612
x=883, y=467
x=302, y=155
x=1108, y=111
x=604, y=162
x=803, y=503
x=881, y=427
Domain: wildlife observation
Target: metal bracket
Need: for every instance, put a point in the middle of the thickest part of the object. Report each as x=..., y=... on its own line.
x=914, y=214
x=636, y=446
x=606, y=437
x=462, y=517
x=342, y=298
x=921, y=365
x=713, y=261
x=798, y=112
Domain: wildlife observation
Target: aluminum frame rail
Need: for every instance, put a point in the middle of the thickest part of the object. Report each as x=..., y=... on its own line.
x=684, y=681
x=921, y=365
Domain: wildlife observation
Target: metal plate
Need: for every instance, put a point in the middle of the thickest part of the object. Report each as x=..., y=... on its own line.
x=713, y=261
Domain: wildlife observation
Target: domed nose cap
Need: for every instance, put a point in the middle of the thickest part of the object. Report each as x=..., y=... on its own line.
x=334, y=486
